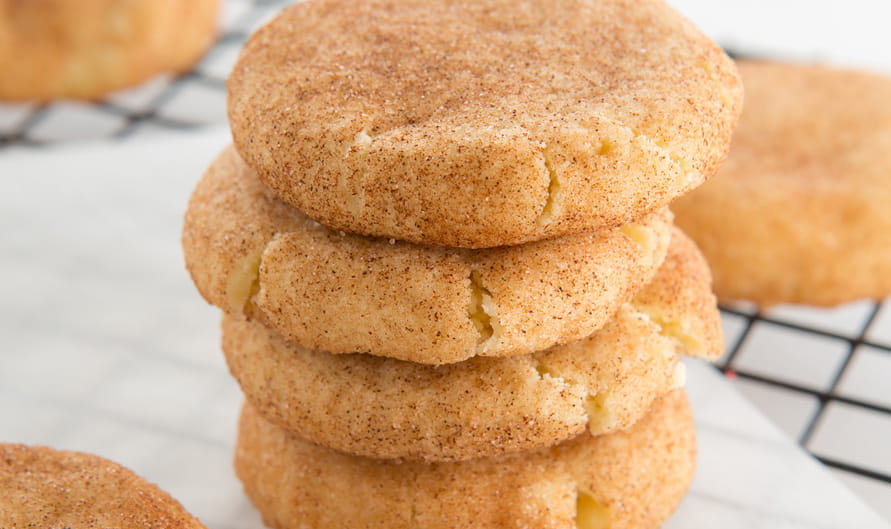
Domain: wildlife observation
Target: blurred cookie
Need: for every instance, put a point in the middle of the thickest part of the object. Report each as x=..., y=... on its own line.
x=53, y=49
x=43, y=487
x=385, y=408
x=626, y=480
x=481, y=123
x=344, y=293
x=800, y=211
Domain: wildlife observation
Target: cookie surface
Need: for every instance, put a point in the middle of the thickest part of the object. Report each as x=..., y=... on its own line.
x=385, y=408
x=799, y=212
x=43, y=487
x=631, y=479
x=481, y=123
x=57, y=48
x=344, y=293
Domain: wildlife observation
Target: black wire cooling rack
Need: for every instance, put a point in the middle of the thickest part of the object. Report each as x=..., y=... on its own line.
x=825, y=397
x=843, y=351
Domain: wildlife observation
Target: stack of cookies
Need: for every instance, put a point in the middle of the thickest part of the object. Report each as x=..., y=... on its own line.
x=454, y=296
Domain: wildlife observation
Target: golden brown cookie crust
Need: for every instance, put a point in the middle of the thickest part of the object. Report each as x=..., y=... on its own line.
x=636, y=477
x=481, y=123
x=344, y=293
x=52, y=49
x=385, y=408
x=681, y=302
x=43, y=487
x=800, y=212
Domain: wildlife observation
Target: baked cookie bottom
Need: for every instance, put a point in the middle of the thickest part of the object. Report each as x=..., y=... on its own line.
x=630, y=479
x=386, y=408
x=43, y=487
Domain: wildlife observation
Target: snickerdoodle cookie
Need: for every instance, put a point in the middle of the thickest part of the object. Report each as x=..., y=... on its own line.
x=58, y=48
x=626, y=480
x=43, y=487
x=481, y=123
x=800, y=212
x=331, y=291
x=385, y=408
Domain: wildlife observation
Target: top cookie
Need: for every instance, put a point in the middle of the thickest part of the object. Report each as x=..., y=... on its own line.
x=481, y=123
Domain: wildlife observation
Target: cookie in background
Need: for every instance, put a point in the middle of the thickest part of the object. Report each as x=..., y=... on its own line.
x=799, y=212
x=52, y=49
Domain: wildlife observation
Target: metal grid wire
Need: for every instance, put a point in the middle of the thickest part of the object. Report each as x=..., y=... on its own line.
x=135, y=119
x=855, y=344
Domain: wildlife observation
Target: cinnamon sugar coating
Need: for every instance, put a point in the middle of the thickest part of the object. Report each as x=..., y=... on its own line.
x=481, y=123
x=385, y=408
x=635, y=478
x=800, y=212
x=43, y=487
x=252, y=255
